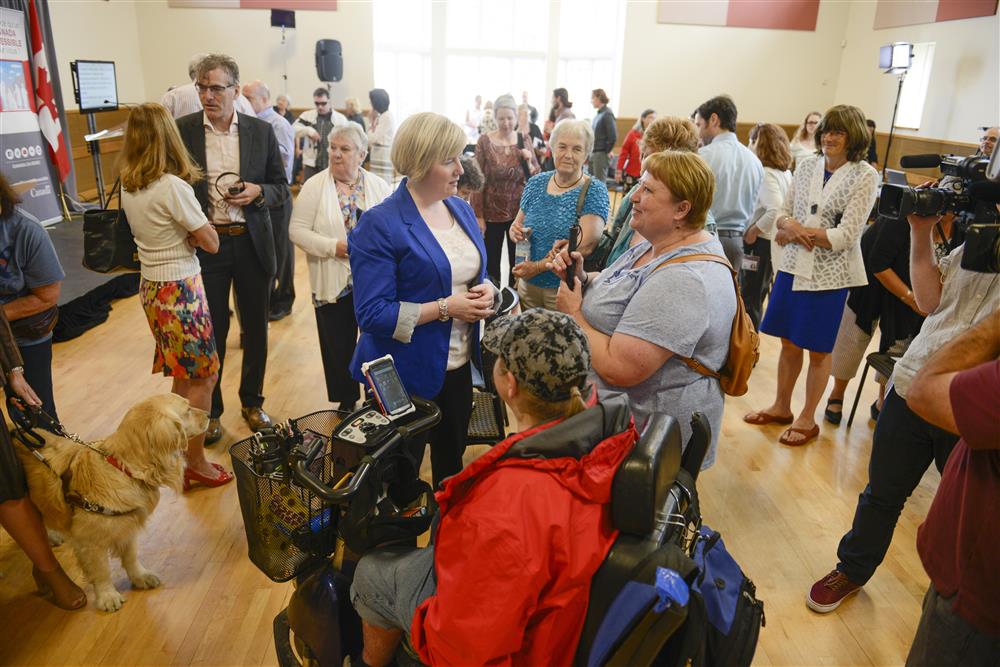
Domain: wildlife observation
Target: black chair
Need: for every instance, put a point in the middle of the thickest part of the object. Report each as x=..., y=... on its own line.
x=883, y=365
x=488, y=423
x=654, y=505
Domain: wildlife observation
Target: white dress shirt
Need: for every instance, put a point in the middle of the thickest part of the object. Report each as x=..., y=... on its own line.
x=222, y=154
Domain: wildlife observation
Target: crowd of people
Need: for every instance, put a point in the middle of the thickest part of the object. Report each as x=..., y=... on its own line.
x=404, y=258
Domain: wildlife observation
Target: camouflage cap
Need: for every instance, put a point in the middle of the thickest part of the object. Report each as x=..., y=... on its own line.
x=545, y=350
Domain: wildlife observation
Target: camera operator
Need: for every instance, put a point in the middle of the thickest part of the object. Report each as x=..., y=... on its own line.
x=958, y=543
x=521, y=531
x=904, y=444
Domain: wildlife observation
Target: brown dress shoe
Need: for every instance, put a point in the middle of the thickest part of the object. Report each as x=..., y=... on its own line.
x=214, y=432
x=256, y=418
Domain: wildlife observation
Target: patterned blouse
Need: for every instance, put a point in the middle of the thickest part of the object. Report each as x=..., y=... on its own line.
x=504, y=175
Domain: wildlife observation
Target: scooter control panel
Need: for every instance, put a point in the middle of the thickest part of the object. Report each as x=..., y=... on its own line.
x=364, y=428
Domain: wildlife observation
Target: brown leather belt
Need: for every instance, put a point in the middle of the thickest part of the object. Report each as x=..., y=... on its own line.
x=237, y=229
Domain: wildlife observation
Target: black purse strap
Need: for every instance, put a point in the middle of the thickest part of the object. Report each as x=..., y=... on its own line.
x=116, y=190
x=524, y=163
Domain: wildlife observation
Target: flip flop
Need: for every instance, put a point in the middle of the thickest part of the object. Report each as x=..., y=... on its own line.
x=761, y=418
x=831, y=416
x=810, y=435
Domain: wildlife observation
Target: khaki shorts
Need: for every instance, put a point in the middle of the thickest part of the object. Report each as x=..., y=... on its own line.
x=536, y=297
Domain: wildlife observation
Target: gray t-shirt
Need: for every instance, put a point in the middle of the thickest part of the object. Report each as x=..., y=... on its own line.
x=687, y=309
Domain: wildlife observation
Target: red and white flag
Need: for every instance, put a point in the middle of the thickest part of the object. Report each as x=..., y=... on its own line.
x=45, y=99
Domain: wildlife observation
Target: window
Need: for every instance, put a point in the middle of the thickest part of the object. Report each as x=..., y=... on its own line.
x=914, y=93
x=439, y=55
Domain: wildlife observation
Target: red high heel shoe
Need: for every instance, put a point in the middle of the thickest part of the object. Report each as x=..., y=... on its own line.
x=191, y=476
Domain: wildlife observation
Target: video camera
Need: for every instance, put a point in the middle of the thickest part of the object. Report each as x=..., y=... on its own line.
x=970, y=187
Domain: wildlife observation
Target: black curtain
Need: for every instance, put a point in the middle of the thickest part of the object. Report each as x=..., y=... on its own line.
x=42, y=8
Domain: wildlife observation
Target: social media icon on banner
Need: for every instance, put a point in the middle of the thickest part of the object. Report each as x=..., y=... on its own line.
x=9, y=154
x=17, y=153
x=31, y=151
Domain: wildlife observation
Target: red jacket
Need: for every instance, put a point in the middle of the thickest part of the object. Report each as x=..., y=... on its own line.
x=522, y=531
x=630, y=158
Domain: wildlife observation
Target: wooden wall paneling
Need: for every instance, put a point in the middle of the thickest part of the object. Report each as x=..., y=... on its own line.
x=86, y=183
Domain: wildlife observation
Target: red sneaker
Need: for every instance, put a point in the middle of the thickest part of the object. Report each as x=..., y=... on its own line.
x=827, y=593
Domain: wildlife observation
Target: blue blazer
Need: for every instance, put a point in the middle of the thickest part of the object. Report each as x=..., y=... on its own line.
x=395, y=257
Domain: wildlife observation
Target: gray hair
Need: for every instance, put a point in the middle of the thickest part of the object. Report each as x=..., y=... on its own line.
x=193, y=64
x=219, y=61
x=287, y=98
x=579, y=128
x=505, y=102
x=353, y=132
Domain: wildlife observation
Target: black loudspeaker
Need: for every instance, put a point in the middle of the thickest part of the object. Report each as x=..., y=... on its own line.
x=329, y=60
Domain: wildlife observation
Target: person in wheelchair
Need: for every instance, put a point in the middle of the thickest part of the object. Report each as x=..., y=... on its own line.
x=521, y=530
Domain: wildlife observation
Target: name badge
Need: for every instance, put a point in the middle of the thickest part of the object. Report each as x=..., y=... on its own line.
x=750, y=262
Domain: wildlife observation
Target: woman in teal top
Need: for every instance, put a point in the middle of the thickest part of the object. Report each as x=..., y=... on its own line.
x=549, y=209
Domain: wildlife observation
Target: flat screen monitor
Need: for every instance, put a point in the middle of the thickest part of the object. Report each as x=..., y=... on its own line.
x=94, y=85
x=282, y=18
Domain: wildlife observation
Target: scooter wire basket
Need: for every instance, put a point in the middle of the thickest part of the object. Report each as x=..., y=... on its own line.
x=288, y=527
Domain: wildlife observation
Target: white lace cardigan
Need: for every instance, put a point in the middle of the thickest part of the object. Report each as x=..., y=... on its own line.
x=841, y=207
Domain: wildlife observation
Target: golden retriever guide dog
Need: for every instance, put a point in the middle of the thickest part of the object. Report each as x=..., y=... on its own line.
x=101, y=503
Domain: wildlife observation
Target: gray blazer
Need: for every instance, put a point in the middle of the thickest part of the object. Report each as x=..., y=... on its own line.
x=260, y=163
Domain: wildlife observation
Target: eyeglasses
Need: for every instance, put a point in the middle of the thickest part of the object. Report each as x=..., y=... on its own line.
x=215, y=90
x=321, y=103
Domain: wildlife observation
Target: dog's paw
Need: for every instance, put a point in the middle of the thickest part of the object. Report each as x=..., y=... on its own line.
x=55, y=537
x=110, y=600
x=145, y=579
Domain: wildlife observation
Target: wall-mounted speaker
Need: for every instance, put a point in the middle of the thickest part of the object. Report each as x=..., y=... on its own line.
x=329, y=60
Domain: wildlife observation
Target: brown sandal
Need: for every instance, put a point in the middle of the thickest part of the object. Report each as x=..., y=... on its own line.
x=65, y=594
x=761, y=418
x=810, y=435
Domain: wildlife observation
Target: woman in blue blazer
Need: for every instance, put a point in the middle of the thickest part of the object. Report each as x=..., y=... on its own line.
x=418, y=264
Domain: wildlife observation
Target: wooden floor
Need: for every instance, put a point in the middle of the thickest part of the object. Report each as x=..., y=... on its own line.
x=781, y=511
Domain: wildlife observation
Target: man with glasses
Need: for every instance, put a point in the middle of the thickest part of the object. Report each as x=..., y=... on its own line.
x=314, y=126
x=182, y=100
x=988, y=141
x=244, y=179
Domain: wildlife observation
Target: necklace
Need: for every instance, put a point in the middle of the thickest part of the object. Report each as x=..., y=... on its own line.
x=555, y=179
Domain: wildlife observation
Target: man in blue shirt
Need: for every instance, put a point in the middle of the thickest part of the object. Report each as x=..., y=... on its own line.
x=283, y=289
x=738, y=174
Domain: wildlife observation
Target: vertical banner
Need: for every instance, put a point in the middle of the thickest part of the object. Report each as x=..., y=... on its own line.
x=24, y=153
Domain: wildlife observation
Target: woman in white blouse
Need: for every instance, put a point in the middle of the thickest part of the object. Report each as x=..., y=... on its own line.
x=381, y=131
x=804, y=139
x=325, y=213
x=770, y=143
x=819, y=231
x=168, y=224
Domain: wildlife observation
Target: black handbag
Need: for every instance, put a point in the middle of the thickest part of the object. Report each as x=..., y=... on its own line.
x=108, y=244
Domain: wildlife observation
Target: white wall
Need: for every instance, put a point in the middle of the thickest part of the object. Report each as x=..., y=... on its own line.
x=98, y=30
x=963, y=91
x=772, y=75
x=169, y=37
x=152, y=43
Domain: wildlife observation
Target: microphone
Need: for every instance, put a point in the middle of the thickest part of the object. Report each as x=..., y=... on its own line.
x=927, y=161
x=985, y=191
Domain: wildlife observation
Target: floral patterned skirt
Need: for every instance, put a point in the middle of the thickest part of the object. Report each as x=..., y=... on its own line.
x=177, y=312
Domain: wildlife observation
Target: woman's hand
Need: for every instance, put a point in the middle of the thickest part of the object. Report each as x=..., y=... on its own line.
x=560, y=262
x=751, y=234
x=341, y=250
x=482, y=225
x=473, y=306
x=17, y=384
x=526, y=154
x=516, y=231
x=796, y=232
x=529, y=269
x=568, y=300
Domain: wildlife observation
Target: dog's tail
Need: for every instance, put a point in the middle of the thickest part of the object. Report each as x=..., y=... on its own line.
x=45, y=485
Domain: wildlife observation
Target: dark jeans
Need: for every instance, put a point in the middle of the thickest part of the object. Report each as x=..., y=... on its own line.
x=755, y=285
x=902, y=448
x=283, y=290
x=236, y=265
x=496, y=233
x=338, y=334
x=448, y=438
x=945, y=639
x=38, y=373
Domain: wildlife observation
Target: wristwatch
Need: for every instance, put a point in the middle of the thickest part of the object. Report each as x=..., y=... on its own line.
x=443, y=310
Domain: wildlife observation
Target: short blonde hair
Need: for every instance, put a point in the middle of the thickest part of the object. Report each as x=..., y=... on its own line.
x=688, y=177
x=580, y=128
x=423, y=140
x=670, y=133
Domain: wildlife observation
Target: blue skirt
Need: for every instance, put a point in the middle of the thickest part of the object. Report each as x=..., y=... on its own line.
x=808, y=319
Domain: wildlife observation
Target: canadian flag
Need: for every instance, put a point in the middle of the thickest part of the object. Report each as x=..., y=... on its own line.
x=45, y=99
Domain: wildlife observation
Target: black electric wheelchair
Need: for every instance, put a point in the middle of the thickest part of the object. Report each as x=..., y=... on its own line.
x=318, y=491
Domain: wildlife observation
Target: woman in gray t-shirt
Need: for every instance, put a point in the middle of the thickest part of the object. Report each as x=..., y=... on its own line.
x=641, y=317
